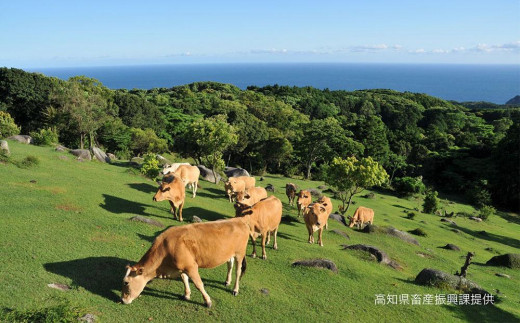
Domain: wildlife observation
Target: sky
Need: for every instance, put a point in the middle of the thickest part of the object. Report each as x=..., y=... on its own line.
x=105, y=33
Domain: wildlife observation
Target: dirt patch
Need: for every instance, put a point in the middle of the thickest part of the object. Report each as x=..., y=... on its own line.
x=317, y=263
x=68, y=207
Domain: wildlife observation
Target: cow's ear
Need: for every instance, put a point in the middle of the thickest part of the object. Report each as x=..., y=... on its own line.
x=322, y=209
x=325, y=204
x=247, y=196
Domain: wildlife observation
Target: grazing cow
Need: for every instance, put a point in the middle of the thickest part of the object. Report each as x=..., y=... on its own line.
x=238, y=184
x=251, y=196
x=362, y=215
x=290, y=191
x=190, y=176
x=182, y=250
x=171, y=168
x=304, y=199
x=265, y=217
x=172, y=189
x=327, y=203
x=316, y=217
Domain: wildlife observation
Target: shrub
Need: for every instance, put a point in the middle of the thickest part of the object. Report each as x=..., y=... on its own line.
x=146, y=141
x=45, y=137
x=406, y=186
x=485, y=211
x=150, y=167
x=7, y=126
x=431, y=202
x=58, y=313
x=28, y=161
x=419, y=232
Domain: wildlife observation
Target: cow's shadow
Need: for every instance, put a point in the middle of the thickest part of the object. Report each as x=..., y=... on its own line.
x=98, y=275
x=144, y=187
x=119, y=205
x=204, y=214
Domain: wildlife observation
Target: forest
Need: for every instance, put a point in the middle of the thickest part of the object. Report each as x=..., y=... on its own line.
x=420, y=140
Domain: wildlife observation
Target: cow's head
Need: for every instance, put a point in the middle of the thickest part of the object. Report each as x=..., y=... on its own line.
x=243, y=197
x=133, y=284
x=315, y=212
x=242, y=209
x=303, y=197
x=164, y=191
x=351, y=221
x=166, y=169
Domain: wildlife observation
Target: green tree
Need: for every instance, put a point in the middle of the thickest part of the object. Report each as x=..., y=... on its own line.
x=371, y=132
x=146, y=141
x=351, y=176
x=213, y=136
x=7, y=126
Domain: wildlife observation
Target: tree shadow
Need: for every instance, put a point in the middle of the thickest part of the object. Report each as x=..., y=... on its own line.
x=143, y=187
x=512, y=242
x=509, y=218
x=204, y=214
x=98, y=275
x=481, y=313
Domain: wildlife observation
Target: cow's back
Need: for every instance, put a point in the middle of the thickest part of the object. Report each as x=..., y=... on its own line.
x=188, y=173
x=249, y=182
x=268, y=213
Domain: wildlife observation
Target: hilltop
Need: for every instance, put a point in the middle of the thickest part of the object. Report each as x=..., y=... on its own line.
x=66, y=222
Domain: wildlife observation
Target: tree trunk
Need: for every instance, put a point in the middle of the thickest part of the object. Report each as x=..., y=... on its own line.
x=464, y=268
x=214, y=171
x=81, y=140
x=308, y=174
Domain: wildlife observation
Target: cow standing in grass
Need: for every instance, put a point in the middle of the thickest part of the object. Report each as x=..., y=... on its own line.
x=327, y=203
x=172, y=189
x=362, y=215
x=182, y=250
x=315, y=218
x=290, y=191
x=238, y=184
x=189, y=176
x=265, y=217
x=304, y=200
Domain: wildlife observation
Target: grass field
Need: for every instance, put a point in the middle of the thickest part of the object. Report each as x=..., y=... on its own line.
x=66, y=222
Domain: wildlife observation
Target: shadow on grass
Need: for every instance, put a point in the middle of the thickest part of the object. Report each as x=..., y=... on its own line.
x=167, y=294
x=512, y=242
x=481, y=313
x=98, y=275
x=143, y=187
x=119, y=205
x=509, y=218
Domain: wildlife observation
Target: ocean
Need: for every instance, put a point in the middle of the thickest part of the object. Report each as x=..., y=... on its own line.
x=491, y=83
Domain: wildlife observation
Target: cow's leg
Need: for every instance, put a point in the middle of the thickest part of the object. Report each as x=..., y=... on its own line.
x=229, y=270
x=275, y=245
x=264, y=237
x=180, y=210
x=172, y=208
x=268, y=238
x=187, y=290
x=195, y=184
x=311, y=233
x=238, y=274
x=320, y=232
x=254, y=246
x=195, y=277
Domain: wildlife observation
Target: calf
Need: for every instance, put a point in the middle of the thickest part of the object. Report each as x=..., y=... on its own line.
x=233, y=186
x=362, y=215
x=190, y=176
x=290, y=191
x=265, y=217
x=315, y=218
x=327, y=203
x=251, y=196
x=304, y=199
x=182, y=250
x=172, y=189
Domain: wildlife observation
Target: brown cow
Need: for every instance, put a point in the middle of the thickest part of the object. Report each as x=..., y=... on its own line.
x=362, y=215
x=290, y=191
x=251, y=196
x=190, y=176
x=316, y=217
x=172, y=189
x=182, y=250
x=327, y=203
x=304, y=199
x=238, y=184
x=265, y=217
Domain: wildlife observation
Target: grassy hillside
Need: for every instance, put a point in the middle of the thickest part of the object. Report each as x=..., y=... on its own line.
x=66, y=222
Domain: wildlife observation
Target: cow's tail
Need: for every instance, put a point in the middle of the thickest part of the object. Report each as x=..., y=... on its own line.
x=198, y=185
x=244, y=266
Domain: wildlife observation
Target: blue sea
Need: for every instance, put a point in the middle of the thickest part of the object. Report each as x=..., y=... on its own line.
x=491, y=83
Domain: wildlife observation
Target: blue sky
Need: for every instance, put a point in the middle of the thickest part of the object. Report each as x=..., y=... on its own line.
x=95, y=33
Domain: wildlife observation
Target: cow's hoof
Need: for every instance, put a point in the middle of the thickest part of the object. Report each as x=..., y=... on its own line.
x=186, y=297
x=208, y=305
x=253, y=255
x=227, y=283
x=235, y=293
x=264, y=257
x=275, y=247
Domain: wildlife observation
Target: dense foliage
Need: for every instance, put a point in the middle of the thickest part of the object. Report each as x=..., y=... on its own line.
x=281, y=129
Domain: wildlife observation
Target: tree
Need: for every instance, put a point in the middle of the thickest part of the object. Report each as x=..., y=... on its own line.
x=146, y=141
x=213, y=136
x=351, y=176
x=431, y=202
x=7, y=126
x=394, y=163
x=371, y=132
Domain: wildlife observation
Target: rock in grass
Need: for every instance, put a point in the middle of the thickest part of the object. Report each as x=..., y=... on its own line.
x=269, y=188
x=341, y=233
x=503, y=275
x=4, y=148
x=317, y=263
x=510, y=260
x=100, y=155
x=474, y=218
x=235, y=172
x=89, y=318
x=450, y=246
x=59, y=286
x=24, y=139
x=139, y=218
x=449, y=221
x=196, y=219
x=83, y=154
x=61, y=148
x=338, y=217
x=440, y=279
x=207, y=174
x=402, y=235
x=379, y=254
x=419, y=232
x=264, y=291
x=314, y=192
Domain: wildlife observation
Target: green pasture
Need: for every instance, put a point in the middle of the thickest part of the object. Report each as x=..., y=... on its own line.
x=66, y=222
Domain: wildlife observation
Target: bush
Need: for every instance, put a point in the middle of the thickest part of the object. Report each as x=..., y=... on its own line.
x=410, y=215
x=146, y=141
x=7, y=126
x=406, y=186
x=419, y=232
x=45, y=137
x=28, y=161
x=58, y=313
x=431, y=202
x=485, y=211
x=150, y=167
